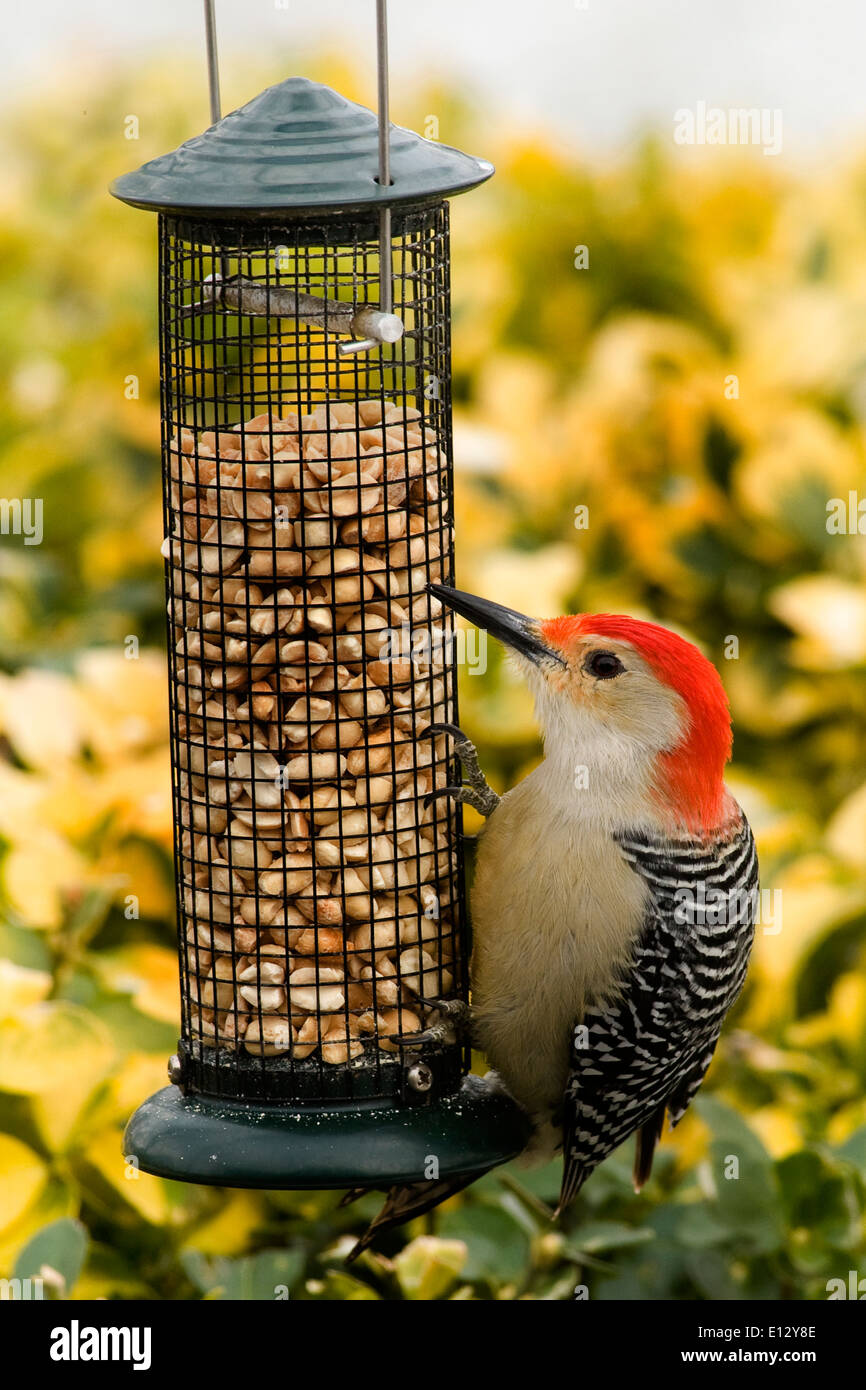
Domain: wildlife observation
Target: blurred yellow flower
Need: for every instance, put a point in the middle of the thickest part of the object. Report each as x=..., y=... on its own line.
x=230, y=1230
x=20, y=987
x=24, y=1174
x=810, y=898
x=148, y=973
x=803, y=340
x=124, y=701
x=536, y=583
x=829, y=616
x=147, y=1195
x=42, y=715
x=138, y=791
x=47, y=1045
x=39, y=875
x=846, y=829
x=777, y=1130
x=794, y=460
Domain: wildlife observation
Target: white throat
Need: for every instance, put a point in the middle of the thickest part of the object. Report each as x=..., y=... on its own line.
x=593, y=770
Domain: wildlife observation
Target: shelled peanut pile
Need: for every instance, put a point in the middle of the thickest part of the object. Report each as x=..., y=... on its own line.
x=316, y=885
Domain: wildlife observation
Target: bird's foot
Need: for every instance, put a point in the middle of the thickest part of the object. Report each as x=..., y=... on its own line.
x=477, y=791
x=457, y=1011
x=454, y=1023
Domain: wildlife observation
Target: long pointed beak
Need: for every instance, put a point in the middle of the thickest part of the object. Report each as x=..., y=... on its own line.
x=514, y=629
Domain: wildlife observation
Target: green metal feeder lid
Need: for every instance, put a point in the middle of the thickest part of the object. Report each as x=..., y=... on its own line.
x=298, y=147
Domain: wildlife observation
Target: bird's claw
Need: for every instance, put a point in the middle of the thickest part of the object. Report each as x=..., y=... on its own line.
x=437, y=1034
x=467, y=797
x=456, y=1016
x=456, y=1009
x=444, y=728
x=477, y=791
x=454, y=1023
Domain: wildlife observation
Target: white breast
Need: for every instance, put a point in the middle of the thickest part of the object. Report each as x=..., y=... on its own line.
x=555, y=913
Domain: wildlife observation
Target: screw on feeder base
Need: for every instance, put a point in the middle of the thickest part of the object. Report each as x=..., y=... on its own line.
x=175, y=1070
x=419, y=1077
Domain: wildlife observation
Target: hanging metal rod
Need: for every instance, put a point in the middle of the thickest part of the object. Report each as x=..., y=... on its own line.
x=384, y=104
x=213, y=72
x=386, y=287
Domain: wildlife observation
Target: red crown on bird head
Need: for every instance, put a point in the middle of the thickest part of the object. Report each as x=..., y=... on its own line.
x=691, y=775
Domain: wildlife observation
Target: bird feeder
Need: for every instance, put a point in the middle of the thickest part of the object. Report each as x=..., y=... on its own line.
x=305, y=383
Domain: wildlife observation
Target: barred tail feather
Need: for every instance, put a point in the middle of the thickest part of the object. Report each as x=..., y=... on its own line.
x=404, y=1204
x=648, y=1136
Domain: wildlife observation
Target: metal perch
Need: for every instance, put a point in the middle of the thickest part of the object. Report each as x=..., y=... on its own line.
x=277, y=301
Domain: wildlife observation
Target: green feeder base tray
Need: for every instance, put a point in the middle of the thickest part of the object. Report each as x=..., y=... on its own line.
x=365, y=1144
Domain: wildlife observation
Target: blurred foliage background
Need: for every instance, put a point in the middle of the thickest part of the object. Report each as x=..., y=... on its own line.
x=700, y=388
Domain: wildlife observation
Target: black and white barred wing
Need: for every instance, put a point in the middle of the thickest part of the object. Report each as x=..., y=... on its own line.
x=704, y=897
x=646, y=1054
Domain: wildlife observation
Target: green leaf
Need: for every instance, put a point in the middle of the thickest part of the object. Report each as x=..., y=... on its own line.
x=498, y=1248
x=711, y=1273
x=132, y=1030
x=854, y=1149
x=747, y=1197
x=817, y=1198
x=337, y=1285
x=596, y=1236
x=429, y=1266
x=651, y=1272
x=25, y=947
x=612, y=1180
x=113, y=1274
x=543, y=1183
x=49, y=1045
x=56, y=1253
x=699, y=1227
x=256, y=1278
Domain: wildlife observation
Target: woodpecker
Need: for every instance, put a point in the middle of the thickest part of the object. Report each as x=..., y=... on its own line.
x=614, y=897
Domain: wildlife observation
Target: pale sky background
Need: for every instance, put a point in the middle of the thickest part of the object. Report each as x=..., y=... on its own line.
x=597, y=69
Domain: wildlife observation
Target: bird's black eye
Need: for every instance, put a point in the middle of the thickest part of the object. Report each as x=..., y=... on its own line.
x=603, y=665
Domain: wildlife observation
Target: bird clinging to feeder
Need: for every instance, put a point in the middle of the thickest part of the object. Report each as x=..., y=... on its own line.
x=615, y=892
x=305, y=379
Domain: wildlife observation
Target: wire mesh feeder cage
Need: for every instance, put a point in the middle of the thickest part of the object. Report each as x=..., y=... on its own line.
x=305, y=376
